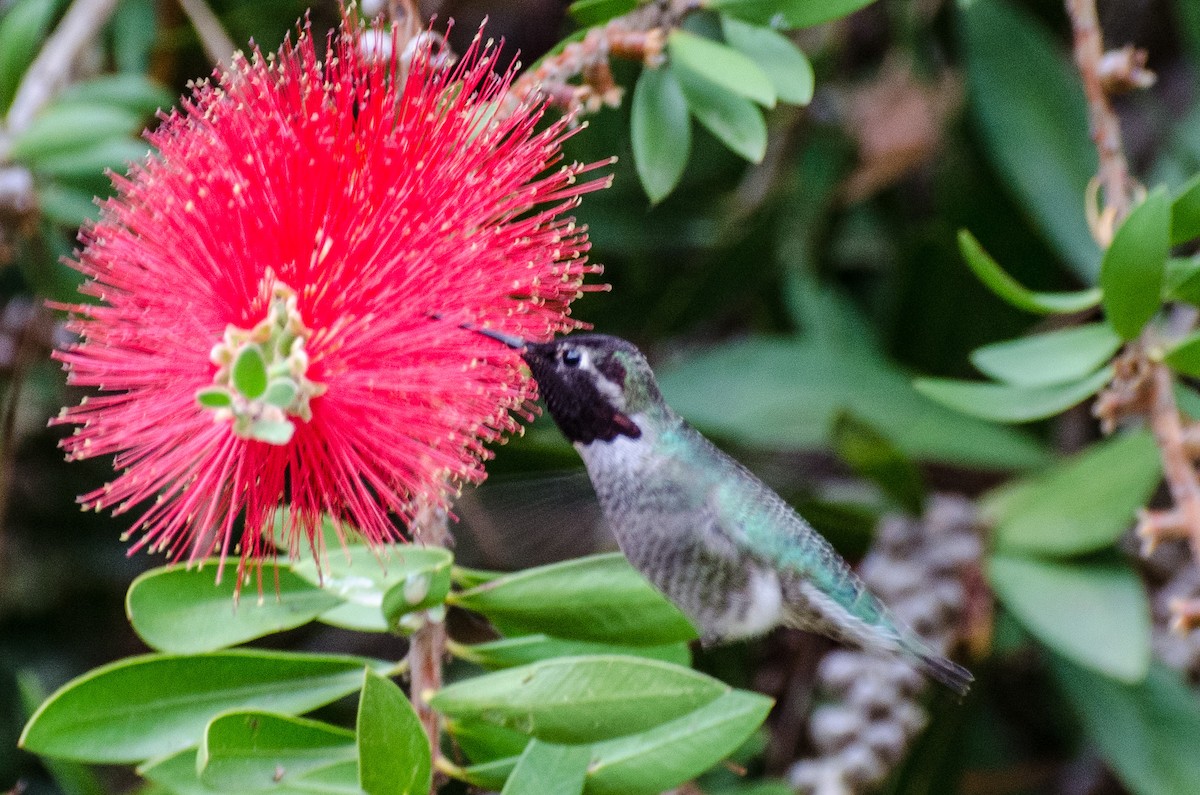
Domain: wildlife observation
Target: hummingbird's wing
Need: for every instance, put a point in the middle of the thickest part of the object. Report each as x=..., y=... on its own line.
x=820, y=591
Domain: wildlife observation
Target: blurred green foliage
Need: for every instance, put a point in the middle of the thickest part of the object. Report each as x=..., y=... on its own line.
x=789, y=271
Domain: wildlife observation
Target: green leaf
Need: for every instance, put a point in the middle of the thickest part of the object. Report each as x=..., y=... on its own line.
x=1182, y=281
x=661, y=132
x=181, y=609
x=511, y=652
x=135, y=33
x=154, y=705
x=873, y=456
x=1145, y=731
x=272, y=431
x=253, y=750
x=598, y=598
x=489, y=775
x=734, y=120
x=1134, y=265
x=393, y=750
x=546, y=769
x=72, y=127
x=81, y=167
x=1184, y=356
x=596, y=12
x=214, y=397
x=486, y=742
x=720, y=65
x=1096, y=615
x=783, y=62
x=1031, y=113
x=785, y=393
x=1185, y=213
x=66, y=206
x=178, y=775
x=360, y=576
x=988, y=271
x=580, y=699
x=129, y=90
x=22, y=30
x=281, y=392
x=1006, y=403
x=1055, y=357
x=787, y=13
x=422, y=588
x=72, y=778
x=668, y=755
x=250, y=372
x=1083, y=504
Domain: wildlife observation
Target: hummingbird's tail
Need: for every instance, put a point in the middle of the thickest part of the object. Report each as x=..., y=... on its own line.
x=935, y=666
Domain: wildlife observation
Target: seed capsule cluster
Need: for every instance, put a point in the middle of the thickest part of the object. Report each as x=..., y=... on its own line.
x=872, y=711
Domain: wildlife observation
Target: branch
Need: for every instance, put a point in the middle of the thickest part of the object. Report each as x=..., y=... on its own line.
x=1106, y=128
x=216, y=42
x=49, y=71
x=427, y=647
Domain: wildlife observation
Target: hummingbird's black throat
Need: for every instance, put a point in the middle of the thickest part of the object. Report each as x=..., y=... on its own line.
x=581, y=411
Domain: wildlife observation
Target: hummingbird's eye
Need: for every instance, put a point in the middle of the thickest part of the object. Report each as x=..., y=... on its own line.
x=571, y=357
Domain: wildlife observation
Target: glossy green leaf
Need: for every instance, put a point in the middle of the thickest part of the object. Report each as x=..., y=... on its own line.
x=422, y=588
x=72, y=778
x=511, y=652
x=153, y=705
x=486, y=742
x=1184, y=356
x=785, y=394
x=178, y=775
x=545, y=769
x=215, y=397
x=178, y=610
x=1094, y=614
x=787, y=13
x=661, y=132
x=580, y=699
x=596, y=12
x=1030, y=111
x=393, y=751
x=734, y=120
x=873, y=456
x=988, y=271
x=22, y=29
x=128, y=90
x=253, y=750
x=360, y=576
x=1134, y=265
x=598, y=598
x=1056, y=357
x=1007, y=403
x=1083, y=504
x=249, y=372
x=668, y=755
x=1182, y=281
x=1185, y=213
x=1145, y=732
x=721, y=65
x=784, y=64
x=72, y=127
x=84, y=165
x=66, y=206
x=487, y=775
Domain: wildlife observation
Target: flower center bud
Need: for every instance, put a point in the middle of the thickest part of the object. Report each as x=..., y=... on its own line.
x=261, y=383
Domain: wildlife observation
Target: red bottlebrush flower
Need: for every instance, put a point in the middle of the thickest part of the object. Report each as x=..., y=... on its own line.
x=269, y=283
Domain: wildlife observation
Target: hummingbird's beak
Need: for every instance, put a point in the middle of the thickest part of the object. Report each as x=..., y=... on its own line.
x=511, y=341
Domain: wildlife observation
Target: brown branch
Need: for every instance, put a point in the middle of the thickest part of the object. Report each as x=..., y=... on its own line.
x=427, y=647
x=216, y=42
x=1106, y=128
x=50, y=69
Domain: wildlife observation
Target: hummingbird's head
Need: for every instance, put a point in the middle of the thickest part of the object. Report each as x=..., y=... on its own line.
x=593, y=385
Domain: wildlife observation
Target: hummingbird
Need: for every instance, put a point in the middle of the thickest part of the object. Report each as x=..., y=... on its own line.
x=727, y=550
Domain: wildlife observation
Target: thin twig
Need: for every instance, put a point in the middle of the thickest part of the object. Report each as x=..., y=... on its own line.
x=52, y=66
x=216, y=42
x=427, y=647
x=1106, y=127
